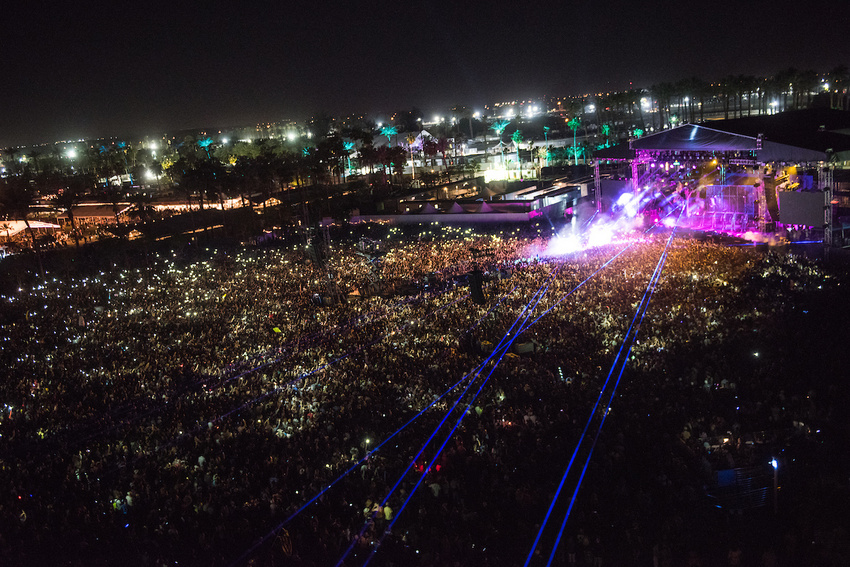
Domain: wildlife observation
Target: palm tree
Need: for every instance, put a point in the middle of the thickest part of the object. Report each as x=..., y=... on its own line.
x=65, y=201
x=773, y=89
x=662, y=93
x=142, y=210
x=807, y=82
x=122, y=148
x=368, y=157
x=839, y=78
x=411, y=142
x=606, y=133
x=33, y=157
x=786, y=81
x=398, y=159
x=430, y=149
x=442, y=146
x=348, y=147
x=635, y=98
x=205, y=144
x=114, y=194
x=726, y=91
x=517, y=138
x=498, y=127
x=574, y=123
x=140, y=207
x=9, y=160
x=749, y=84
x=389, y=132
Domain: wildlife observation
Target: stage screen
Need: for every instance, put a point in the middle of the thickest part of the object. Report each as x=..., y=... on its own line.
x=739, y=199
x=801, y=208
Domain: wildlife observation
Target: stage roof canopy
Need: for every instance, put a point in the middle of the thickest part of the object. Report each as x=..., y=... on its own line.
x=696, y=138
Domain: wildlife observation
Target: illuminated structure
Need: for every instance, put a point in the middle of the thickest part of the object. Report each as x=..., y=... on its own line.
x=736, y=175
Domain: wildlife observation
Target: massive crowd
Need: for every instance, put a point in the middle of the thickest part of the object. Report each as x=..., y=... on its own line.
x=180, y=411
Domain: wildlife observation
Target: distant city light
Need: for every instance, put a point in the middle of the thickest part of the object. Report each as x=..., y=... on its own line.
x=71, y=153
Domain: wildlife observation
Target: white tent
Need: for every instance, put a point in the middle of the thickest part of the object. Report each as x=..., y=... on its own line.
x=11, y=228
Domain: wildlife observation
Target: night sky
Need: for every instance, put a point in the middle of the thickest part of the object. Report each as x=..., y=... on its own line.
x=131, y=69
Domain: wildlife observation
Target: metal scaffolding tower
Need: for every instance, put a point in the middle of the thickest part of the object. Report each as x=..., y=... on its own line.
x=597, y=180
x=825, y=181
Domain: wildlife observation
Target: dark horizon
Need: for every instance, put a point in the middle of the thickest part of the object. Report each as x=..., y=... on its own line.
x=88, y=72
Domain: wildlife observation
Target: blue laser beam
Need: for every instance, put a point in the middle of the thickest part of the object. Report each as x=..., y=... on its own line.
x=645, y=306
x=592, y=413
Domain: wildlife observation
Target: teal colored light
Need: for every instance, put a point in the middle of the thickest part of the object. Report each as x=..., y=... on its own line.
x=389, y=132
x=499, y=126
x=574, y=123
x=639, y=132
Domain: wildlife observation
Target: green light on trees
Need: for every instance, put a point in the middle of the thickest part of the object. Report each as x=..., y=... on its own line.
x=348, y=146
x=389, y=132
x=205, y=144
x=574, y=123
x=517, y=138
x=498, y=127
